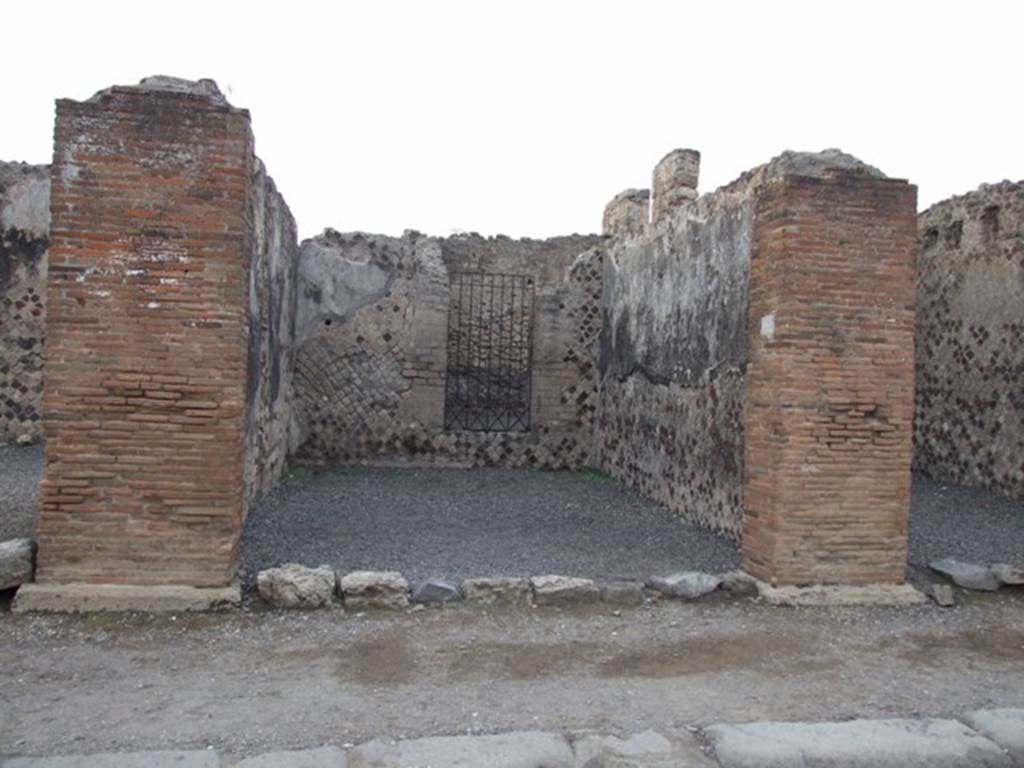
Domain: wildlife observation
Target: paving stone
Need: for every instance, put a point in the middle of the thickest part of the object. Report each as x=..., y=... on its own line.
x=436, y=591
x=1003, y=726
x=686, y=584
x=967, y=575
x=643, y=750
x=324, y=757
x=564, y=590
x=1008, y=575
x=497, y=591
x=524, y=749
x=855, y=744
x=296, y=586
x=16, y=562
x=195, y=759
x=375, y=589
x=623, y=593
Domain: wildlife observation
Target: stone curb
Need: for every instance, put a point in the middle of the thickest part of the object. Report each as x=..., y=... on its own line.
x=297, y=586
x=996, y=742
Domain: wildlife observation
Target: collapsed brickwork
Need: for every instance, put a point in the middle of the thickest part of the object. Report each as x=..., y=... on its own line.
x=969, y=407
x=24, y=237
x=167, y=295
x=757, y=364
x=377, y=329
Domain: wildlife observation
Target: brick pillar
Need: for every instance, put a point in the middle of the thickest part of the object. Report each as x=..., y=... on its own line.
x=830, y=381
x=145, y=372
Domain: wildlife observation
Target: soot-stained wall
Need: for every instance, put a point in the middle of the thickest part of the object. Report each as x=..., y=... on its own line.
x=272, y=316
x=969, y=405
x=24, y=238
x=373, y=322
x=673, y=357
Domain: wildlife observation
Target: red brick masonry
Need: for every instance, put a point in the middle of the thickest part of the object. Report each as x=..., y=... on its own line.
x=830, y=382
x=145, y=363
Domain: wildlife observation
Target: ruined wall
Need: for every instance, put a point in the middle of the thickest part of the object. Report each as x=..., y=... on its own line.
x=969, y=406
x=673, y=356
x=24, y=233
x=148, y=355
x=373, y=322
x=272, y=317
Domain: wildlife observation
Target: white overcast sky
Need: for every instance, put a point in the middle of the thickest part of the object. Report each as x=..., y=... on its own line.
x=525, y=118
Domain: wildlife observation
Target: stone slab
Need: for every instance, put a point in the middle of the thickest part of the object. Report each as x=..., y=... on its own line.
x=967, y=575
x=1003, y=726
x=192, y=759
x=855, y=744
x=323, y=757
x=688, y=585
x=642, y=750
x=896, y=595
x=87, y=598
x=564, y=590
x=523, y=749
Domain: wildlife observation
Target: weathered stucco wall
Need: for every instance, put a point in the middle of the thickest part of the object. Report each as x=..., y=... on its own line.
x=24, y=238
x=673, y=357
x=969, y=406
x=373, y=320
x=272, y=316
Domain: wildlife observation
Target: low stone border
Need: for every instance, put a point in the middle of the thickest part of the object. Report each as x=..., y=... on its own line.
x=983, y=739
x=296, y=586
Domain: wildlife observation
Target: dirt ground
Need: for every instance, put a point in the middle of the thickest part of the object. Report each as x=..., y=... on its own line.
x=252, y=681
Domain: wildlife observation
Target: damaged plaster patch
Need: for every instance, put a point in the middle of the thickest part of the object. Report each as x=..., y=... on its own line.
x=340, y=274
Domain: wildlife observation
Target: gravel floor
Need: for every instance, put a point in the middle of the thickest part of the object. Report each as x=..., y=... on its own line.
x=458, y=523
x=967, y=523
x=20, y=472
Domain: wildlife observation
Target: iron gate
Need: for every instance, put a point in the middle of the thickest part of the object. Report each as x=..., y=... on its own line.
x=487, y=386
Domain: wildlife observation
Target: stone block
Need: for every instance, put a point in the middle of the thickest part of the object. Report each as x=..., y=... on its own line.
x=508, y=591
x=564, y=590
x=967, y=575
x=374, y=589
x=17, y=561
x=296, y=586
x=687, y=584
x=855, y=744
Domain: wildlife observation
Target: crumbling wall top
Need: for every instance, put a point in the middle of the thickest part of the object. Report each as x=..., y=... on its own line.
x=204, y=88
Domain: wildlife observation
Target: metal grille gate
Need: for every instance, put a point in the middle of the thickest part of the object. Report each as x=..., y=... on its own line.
x=487, y=387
